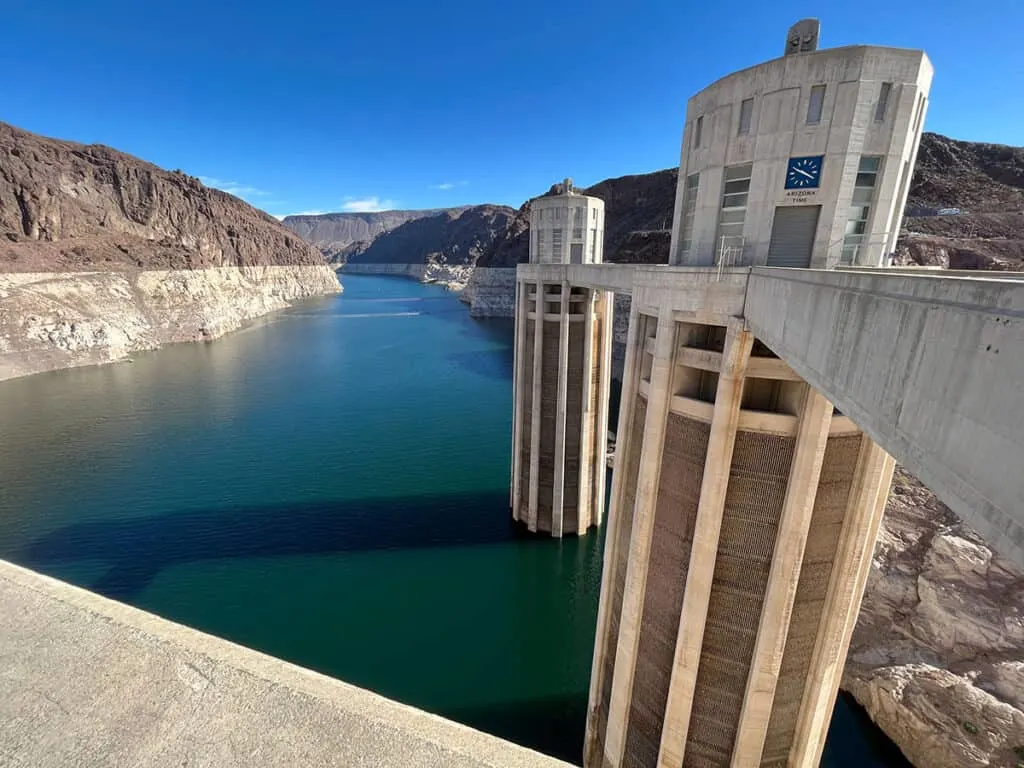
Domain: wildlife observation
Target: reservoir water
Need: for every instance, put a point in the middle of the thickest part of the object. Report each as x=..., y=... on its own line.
x=329, y=485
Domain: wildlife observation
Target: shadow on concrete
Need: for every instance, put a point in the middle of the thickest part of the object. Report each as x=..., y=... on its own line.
x=137, y=549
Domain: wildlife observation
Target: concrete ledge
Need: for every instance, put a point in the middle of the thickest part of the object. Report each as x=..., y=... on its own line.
x=86, y=681
x=928, y=365
x=695, y=295
x=617, y=278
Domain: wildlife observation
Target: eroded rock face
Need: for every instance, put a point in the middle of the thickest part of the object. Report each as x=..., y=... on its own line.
x=55, y=320
x=937, y=657
x=340, y=235
x=103, y=254
x=67, y=206
x=491, y=292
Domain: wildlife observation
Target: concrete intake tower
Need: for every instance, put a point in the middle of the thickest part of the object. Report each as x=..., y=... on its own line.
x=774, y=369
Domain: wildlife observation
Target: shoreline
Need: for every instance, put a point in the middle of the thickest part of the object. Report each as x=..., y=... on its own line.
x=55, y=320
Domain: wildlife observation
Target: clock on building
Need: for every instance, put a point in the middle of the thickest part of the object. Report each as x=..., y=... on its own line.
x=804, y=172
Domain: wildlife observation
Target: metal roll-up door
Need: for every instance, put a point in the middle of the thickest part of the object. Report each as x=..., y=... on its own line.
x=793, y=235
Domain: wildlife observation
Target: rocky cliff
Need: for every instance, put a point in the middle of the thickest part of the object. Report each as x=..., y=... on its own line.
x=937, y=657
x=339, y=235
x=983, y=181
x=457, y=236
x=103, y=254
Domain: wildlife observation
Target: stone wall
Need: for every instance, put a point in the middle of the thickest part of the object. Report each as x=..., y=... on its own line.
x=452, y=276
x=491, y=292
x=51, y=320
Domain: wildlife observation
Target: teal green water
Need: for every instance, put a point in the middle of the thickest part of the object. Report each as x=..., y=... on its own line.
x=330, y=486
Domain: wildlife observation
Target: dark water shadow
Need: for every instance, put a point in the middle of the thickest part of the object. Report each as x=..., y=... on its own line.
x=491, y=364
x=138, y=549
x=854, y=741
x=553, y=725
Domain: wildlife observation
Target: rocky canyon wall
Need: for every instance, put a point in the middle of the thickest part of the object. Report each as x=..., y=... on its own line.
x=51, y=320
x=103, y=255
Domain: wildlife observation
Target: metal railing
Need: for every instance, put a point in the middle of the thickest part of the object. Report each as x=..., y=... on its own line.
x=850, y=250
x=729, y=252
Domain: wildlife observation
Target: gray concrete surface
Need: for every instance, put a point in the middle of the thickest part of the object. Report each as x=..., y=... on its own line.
x=930, y=366
x=86, y=681
x=617, y=278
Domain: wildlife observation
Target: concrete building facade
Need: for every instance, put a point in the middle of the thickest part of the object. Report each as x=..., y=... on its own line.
x=562, y=373
x=803, y=161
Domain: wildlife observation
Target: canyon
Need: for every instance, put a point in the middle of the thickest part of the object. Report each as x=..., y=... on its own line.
x=103, y=255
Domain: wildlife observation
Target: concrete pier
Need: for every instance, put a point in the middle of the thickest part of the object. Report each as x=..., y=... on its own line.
x=561, y=382
x=562, y=372
x=744, y=514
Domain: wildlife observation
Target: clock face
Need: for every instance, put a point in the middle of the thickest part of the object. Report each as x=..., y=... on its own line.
x=804, y=172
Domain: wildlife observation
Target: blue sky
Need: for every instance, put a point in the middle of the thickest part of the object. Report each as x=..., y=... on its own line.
x=315, y=106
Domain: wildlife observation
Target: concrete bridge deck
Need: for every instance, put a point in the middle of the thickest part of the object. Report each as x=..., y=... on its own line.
x=86, y=681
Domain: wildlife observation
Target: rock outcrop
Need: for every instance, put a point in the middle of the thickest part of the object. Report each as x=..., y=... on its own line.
x=103, y=254
x=985, y=182
x=937, y=657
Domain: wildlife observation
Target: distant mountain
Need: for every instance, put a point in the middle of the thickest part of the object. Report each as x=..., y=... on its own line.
x=456, y=236
x=339, y=234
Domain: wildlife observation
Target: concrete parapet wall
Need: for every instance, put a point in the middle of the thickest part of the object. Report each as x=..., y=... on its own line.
x=931, y=367
x=703, y=295
x=617, y=278
x=88, y=681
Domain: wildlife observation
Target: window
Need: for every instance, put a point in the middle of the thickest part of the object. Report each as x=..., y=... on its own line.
x=883, y=102
x=577, y=233
x=593, y=242
x=746, y=112
x=689, y=209
x=734, y=210
x=697, y=131
x=556, y=243
x=860, y=208
x=558, y=213
x=816, y=104
x=594, y=211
